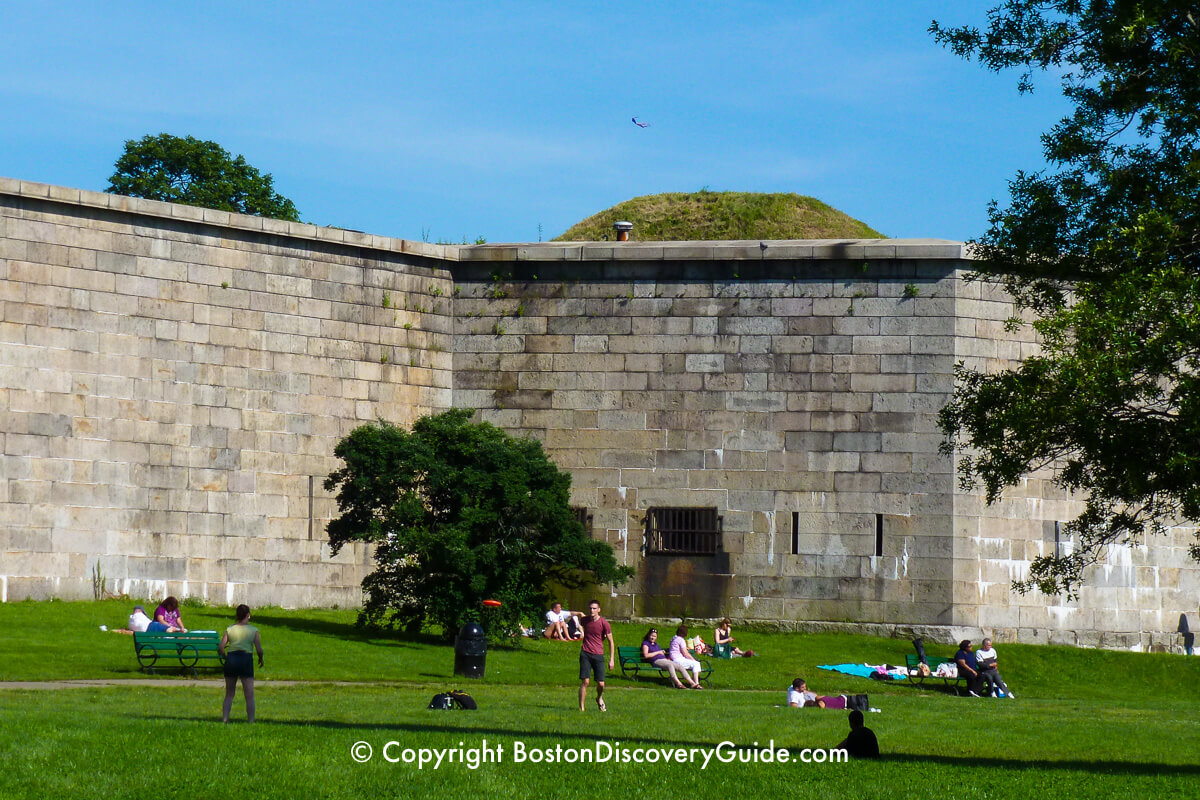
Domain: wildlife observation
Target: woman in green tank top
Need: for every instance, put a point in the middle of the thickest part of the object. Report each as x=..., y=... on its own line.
x=237, y=646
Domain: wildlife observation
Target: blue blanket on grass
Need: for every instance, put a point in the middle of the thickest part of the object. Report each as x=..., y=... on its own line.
x=855, y=669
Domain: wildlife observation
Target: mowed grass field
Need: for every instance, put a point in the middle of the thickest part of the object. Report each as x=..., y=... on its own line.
x=1085, y=724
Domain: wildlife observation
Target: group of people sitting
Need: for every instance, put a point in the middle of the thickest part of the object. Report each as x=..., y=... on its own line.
x=562, y=625
x=980, y=670
x=680, y=656
x=166, y=619
x=677, y=660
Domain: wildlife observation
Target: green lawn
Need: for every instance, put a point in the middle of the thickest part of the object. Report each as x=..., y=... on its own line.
x=1086, y=724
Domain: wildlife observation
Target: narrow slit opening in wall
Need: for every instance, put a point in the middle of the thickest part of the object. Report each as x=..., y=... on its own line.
x=795, y=533
x=1057, y=540
x=879, y=534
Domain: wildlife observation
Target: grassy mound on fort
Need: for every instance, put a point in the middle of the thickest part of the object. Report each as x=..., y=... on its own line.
x=1086, y=723
x=706, y=216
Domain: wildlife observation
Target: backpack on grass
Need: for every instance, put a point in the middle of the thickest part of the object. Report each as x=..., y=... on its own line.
x=451, y=700
x=858, y=701
x=463, y=700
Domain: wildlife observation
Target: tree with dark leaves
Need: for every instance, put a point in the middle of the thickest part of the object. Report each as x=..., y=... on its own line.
x=1102, y=252
x=458, y=513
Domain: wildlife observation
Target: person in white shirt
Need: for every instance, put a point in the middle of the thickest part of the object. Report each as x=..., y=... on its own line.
x=138, y=622
x=985, y=657
x=799, y=696
x=559, y=622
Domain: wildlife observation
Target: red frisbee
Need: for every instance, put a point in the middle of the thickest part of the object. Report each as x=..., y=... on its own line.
x=492, y=603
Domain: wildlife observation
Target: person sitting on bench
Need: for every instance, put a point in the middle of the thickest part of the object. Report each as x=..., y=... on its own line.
x=167, y=619
x=679, y=653
x=652, y=653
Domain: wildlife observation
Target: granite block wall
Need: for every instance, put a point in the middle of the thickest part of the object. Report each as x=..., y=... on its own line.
x=173, y=381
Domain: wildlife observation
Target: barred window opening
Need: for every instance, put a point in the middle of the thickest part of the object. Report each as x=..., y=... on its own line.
x=683, y=531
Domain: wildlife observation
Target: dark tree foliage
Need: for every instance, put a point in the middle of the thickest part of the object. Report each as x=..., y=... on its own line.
x=1103, y=251
x=460, y=512
x=196, y=173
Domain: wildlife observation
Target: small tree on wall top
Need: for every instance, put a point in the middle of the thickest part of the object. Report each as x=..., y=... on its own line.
x=197, y=173
x=460, y=512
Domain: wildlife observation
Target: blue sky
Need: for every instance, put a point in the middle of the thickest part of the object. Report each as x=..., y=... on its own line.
x=448, y=120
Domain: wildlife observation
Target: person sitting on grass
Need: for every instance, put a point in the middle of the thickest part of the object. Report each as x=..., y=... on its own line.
x=800, y=697
x=985, y=657
x=683, y=658
x=559, y=622
x=240, y=639
x=861, y=743
x=166, y=618
x=653, y=654
x=724, y=635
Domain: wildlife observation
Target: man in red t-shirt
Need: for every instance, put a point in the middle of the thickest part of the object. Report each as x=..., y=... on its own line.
x=591, y=656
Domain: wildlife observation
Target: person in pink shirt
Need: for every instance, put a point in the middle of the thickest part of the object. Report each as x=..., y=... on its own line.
x=682, y=657
x=167, y=619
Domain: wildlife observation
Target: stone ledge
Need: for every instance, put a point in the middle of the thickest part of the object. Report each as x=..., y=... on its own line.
x=781, y=250
x=752, y=250
x=221, y=219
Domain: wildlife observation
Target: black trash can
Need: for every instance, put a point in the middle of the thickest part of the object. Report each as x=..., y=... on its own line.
x=470, y=651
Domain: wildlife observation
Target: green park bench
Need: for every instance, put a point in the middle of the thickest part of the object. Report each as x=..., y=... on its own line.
x=177, y=650
x=632, y=665
x=914, y=671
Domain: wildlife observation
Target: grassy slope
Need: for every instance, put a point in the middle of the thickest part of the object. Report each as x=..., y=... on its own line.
x=1087, y=723
x=325, y=645
x=703, y=216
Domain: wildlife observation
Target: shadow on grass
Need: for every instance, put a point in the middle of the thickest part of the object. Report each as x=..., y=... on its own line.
x=1074, y=765
x=346, y=631
x=1135, y=768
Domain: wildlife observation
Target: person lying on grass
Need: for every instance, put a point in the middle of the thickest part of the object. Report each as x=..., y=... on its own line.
x=800, y=697
x=138, y=622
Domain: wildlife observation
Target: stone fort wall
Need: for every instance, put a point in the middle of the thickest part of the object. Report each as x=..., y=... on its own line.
x=172, y=384
x=173, y=381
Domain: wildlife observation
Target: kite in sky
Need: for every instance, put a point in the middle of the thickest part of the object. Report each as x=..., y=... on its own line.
x=641, y=124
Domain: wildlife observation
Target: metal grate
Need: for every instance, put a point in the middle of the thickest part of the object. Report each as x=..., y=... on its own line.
x=683, y=531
